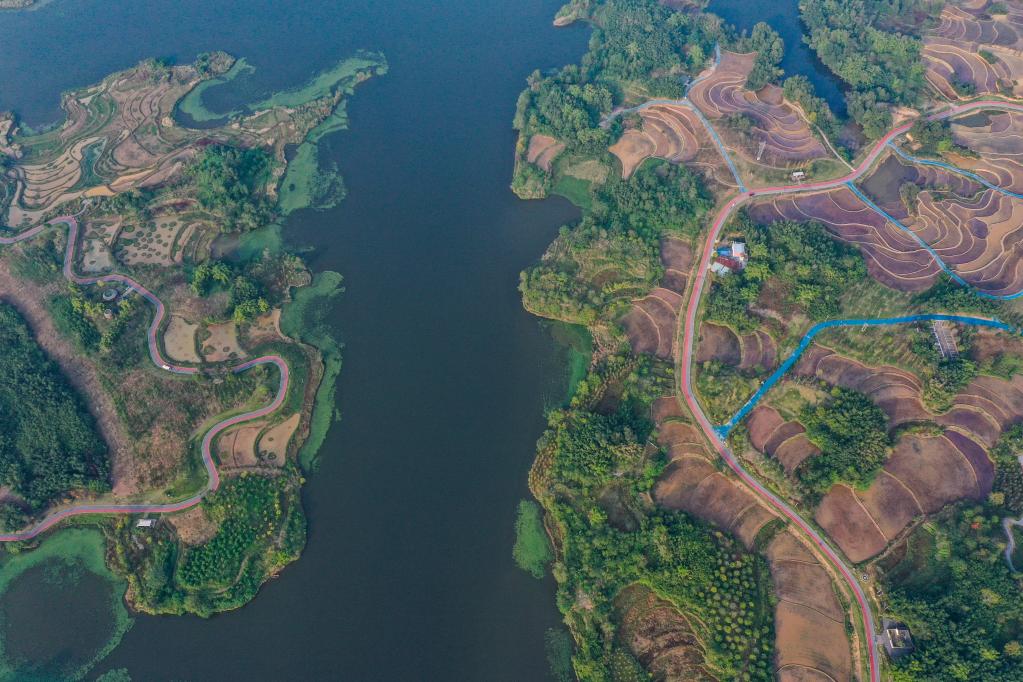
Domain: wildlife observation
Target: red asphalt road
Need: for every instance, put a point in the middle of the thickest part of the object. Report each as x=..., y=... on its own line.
x=157, y=356
x=688, y=346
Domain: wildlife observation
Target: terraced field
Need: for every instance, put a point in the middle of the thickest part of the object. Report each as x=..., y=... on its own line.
x=786, y=136
x=121, y=134
x=753, y=351
x=998, y=143
x=923, y=474
x=652, y=322
x=954, y=52
x=893, y=256
x=810, y=638
x=672, y=132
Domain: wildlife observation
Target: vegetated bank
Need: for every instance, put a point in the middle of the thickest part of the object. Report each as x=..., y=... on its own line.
x=624, y=565
x=179, y=210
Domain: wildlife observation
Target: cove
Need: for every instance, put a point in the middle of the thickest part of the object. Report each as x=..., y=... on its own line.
x=799, y=59
x=408, y=573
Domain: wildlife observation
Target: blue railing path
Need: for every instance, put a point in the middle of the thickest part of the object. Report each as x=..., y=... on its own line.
x=777, y=375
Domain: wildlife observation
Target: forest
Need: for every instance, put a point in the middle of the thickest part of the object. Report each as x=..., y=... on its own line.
x=858, y=40
x=49, y=445
x=852, y=433
x=811, y=268
x=260, y=527
x=598, y=475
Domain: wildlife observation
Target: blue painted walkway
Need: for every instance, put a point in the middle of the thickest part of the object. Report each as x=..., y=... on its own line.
x=934, y=254
x=769, y=383
x=953, y=169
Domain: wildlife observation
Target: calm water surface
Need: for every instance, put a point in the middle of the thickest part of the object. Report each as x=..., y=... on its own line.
x=799, y=59
x=408, y=572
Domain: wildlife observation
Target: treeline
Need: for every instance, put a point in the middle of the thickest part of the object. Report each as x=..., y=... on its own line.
x=597, y=474
x=852, y=434
x=260, y=528
x=881, y=67
x=812, y=270
x=48, y=444
x=572, y=282
x=231, y=183
x=959, y=599
x=770, y=49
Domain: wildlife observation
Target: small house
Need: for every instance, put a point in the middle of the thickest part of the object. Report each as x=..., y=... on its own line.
x=897, y=639
x=145, y=523
x=798, y=176
x=733, y=264
x=738, y=251
x=719, y=269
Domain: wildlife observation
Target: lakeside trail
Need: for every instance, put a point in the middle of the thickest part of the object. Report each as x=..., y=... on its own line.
x=688, y=323
x=213, y=481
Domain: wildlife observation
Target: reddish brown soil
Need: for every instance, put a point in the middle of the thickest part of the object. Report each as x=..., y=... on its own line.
x=659, y=636
x=810, y=637
x=786, y=136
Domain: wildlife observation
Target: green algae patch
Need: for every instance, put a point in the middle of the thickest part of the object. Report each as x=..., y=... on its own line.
x=61, y=608
x=304, y=319
x=192, y=104
x=306, y=183
x=342, y=77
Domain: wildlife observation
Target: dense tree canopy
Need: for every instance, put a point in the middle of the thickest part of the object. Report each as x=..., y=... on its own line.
x=48, y=444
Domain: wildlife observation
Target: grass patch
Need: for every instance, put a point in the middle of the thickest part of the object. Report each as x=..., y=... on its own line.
x=532, y=550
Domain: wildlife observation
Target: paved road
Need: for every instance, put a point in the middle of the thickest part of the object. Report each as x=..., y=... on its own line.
x=160, y=361
x=685, y=359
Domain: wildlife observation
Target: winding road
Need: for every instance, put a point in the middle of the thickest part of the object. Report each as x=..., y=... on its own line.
x=213, y=482
x=688, y=323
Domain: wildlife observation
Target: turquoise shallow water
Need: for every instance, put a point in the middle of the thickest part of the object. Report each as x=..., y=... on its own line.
x=408, y=574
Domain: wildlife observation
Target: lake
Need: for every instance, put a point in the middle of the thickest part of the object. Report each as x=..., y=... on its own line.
x=408, y=572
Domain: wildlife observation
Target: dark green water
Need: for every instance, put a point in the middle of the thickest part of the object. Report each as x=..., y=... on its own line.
x=58, y=595
x=408, y=574
x=799, y=59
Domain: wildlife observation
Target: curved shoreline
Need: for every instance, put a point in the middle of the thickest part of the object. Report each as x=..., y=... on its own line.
x=156, y=356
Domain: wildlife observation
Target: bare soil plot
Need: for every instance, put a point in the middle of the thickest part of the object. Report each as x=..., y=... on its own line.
x=785, y=135
x=810, y=638
x=179, y=340
x=193, y=526
x=999, y=147
x=893, y=257
x=786, y=441
x=660, y=637
x=222, y=343
x=543, y=149
x=273, y=444
x=677, y=259
x=652, y=323
x=980, y=238
x=842, y=515
x=237, y=447
x=753, y=351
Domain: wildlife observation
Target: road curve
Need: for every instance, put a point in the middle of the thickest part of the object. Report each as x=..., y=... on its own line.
x=213, y=482
x=684, y=361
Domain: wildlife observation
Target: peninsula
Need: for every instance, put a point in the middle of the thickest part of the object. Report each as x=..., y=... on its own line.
x=165, y=379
